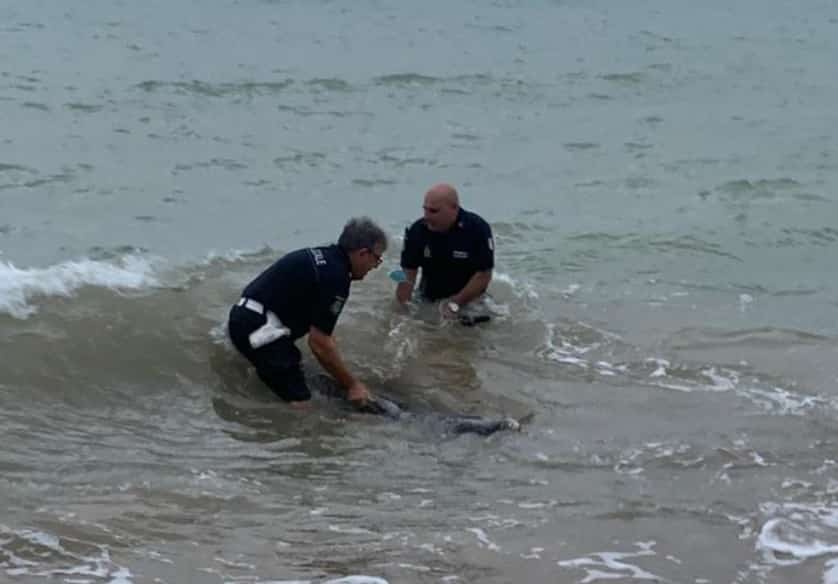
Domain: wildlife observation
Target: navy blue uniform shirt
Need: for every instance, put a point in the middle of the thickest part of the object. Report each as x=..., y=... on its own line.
x=304, y=288
x=448, y=260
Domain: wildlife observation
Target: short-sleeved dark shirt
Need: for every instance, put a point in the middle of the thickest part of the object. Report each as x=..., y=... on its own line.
x=448, y=260
x=304, y=288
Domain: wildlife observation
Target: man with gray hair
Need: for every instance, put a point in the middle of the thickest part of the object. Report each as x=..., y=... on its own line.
x=301, y=294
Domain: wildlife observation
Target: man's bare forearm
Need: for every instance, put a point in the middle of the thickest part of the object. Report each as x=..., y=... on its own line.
x=405, y=289
x=326, y=352
x=476, y=286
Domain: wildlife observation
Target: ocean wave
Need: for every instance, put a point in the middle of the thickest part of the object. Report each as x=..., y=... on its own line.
x=19, y=287
x=128, y=321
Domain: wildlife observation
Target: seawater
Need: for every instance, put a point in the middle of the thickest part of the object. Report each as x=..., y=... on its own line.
x=661, y=180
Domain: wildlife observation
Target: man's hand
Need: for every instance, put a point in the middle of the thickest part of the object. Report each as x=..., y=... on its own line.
x=404, y=288
x=357, y=392
x=403, y=292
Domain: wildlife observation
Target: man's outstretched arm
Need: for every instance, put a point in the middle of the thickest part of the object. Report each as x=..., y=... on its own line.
x=405, y=289
x=476, y=286
x=325, y=349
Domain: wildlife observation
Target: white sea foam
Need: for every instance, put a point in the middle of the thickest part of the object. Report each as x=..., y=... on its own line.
x=795, y=532
x=78, y=567
x=357, y=580
x=664, y=374
x=720, y=380
x=745, y=300
x=784, y=402
x=483, y=538
x=520, y=289
x=350, y=530
x=19, y=286
x=613, y=565
x=401, y=343
x=232, y=255
x=564, y=352
x=561, y=350
x=219, y=335
x=771, y=400
x=661, y=365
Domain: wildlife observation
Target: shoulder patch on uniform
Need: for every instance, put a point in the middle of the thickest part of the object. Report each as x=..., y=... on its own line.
x=318, y=256
x=427, y=251
x=337, y=305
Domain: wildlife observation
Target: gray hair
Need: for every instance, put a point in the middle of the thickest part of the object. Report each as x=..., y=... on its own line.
x=360, y=233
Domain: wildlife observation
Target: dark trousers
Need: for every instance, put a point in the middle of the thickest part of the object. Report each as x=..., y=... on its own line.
x=277, y=363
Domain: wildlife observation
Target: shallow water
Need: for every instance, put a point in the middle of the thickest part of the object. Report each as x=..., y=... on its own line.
x=661, y=181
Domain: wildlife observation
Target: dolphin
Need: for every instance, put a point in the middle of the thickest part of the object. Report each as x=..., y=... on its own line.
x=451, y=423
x=454, y=424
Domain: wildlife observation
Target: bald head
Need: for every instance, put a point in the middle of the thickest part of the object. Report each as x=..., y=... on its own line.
x=441, y=206
x=443, y=193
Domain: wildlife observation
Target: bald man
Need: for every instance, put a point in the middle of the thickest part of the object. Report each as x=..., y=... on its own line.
x=453, y=248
